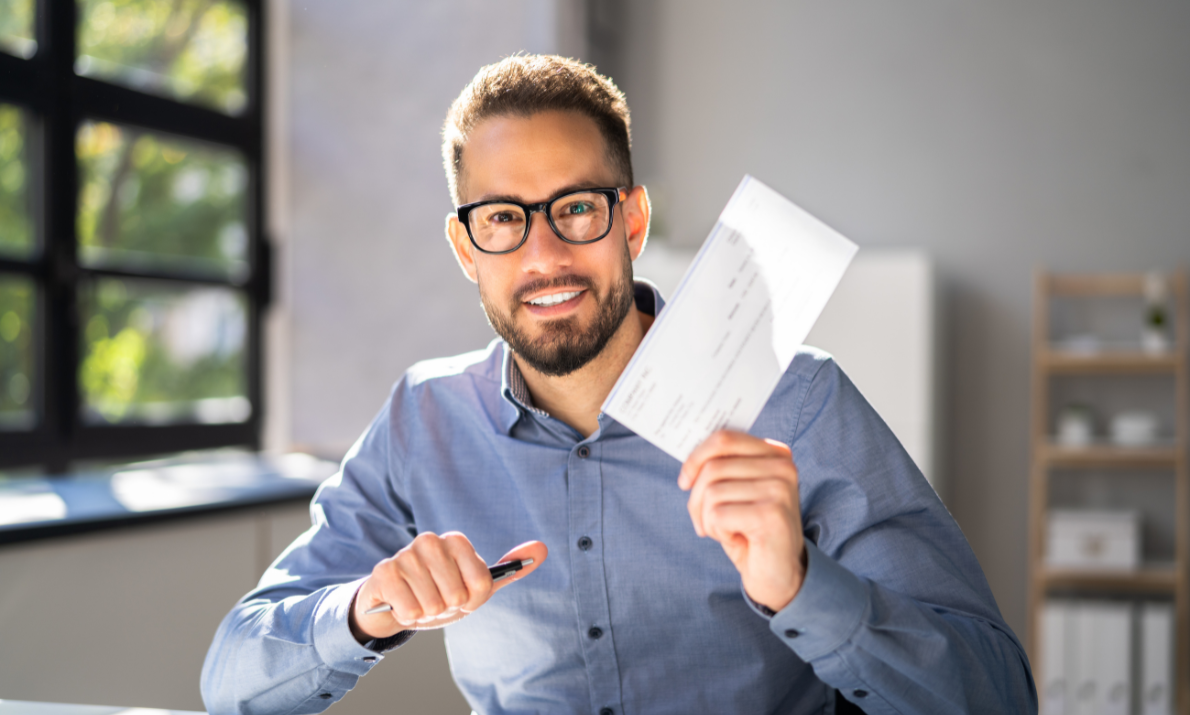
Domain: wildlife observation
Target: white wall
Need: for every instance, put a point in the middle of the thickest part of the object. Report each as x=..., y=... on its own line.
x=996, y=136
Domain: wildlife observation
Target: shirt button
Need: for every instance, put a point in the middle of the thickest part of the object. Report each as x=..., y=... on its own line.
x=325, y=696
x=584, y=452
x=595, y=633
x=792, y=633
x=585, y=543
x=606, y=711
x=369, y=659
x=861, y=693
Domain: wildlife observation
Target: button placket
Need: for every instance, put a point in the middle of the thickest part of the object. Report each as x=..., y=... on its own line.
x=585, y=487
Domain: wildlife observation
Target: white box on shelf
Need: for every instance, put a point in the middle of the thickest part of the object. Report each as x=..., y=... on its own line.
x=1156, y=664
x=1093, y=539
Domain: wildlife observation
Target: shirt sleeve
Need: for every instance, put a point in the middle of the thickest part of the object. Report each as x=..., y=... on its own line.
x=286, y=646
x=894, y=611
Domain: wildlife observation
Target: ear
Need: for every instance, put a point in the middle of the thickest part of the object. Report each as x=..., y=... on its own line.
x=636, y=211
x=460, y=244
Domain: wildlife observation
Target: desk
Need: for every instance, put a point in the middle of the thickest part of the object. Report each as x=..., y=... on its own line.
x=21, y=707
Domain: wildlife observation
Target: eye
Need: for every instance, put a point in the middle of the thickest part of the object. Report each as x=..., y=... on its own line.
x=503, y=217
x=577, y=208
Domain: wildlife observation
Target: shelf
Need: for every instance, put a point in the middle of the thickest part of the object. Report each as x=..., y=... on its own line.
x=1058, y=361
x=1090, y=286
x=1092, y=356
x=1164, y=456
x=1146, y=580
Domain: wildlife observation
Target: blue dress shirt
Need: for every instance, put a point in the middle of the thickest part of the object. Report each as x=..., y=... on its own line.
x=632, y=613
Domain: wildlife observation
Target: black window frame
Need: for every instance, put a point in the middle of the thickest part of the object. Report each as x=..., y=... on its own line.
x=57, y=101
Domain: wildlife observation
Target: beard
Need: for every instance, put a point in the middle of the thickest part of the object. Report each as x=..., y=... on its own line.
x=564, y=346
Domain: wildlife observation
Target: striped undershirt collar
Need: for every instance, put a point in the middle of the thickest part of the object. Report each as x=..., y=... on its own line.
x=518, y=388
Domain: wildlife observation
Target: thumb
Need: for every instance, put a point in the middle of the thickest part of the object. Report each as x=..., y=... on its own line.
x=529, y=550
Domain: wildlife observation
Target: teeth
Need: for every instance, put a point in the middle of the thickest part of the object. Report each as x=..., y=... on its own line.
x=556, y=298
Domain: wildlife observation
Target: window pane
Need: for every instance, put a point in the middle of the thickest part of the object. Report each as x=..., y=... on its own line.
x=17, y=27
x=151, y=201
x=17, y=351
x=16, y=226
x=192, y=50
x=159, y=353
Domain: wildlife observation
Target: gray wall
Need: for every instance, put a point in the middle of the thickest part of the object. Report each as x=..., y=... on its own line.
x=370, y=284
x=997, y=136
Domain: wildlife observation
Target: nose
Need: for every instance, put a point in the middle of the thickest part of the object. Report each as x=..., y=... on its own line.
x=543, y=251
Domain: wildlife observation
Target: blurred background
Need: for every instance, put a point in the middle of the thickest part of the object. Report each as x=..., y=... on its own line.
x=221, y=222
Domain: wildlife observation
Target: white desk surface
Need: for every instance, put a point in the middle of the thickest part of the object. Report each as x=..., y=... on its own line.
x=20, y=707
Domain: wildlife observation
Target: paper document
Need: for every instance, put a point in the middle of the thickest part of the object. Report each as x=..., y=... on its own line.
x=730, y=330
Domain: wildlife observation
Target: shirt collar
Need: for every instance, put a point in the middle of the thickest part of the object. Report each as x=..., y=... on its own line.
x=515, y=392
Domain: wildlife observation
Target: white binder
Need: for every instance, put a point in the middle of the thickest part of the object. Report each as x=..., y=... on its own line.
x=1114, y=658
x=1055, y=682
x=1099, y=643
x=1082, y=644
x=1156, y=664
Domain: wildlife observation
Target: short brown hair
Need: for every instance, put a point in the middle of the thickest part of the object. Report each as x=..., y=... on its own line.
x=527, y=84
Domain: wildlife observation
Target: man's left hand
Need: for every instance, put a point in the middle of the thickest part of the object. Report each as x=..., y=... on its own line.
x=743, y=494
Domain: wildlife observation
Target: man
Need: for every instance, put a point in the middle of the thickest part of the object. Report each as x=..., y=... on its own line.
x=783, y=571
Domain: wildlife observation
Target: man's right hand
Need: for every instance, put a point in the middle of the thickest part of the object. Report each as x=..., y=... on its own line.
x=431, y=583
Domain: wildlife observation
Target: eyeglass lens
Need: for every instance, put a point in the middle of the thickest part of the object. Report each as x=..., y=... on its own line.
x=576, y=217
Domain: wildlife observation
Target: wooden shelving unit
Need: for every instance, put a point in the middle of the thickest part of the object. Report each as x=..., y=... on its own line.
x=1160, y=580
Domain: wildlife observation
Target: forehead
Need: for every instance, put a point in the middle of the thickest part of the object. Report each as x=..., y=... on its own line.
x=531, y=158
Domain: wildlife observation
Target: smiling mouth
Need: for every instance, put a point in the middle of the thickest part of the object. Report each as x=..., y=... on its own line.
x=546, y=301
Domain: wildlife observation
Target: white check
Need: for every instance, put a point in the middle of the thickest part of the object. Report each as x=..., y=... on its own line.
x=717, y=351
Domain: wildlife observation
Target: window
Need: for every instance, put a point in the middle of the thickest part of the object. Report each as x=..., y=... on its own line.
x=133, y=269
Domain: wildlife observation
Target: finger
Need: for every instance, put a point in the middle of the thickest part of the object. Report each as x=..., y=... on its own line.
x=472, y=569
x=392, y=589
x=438, y=583
x=731, y=521
x=442, y=557
x=758, y=494
x=737, y=468
x=767, y=489
x=718, y=444
x=529, y=550
x=415, y=574
x=725, y=443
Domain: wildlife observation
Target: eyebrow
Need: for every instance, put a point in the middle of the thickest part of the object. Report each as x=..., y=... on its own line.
x=513, y=198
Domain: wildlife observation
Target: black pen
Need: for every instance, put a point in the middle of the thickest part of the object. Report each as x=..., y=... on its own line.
x=498, y=572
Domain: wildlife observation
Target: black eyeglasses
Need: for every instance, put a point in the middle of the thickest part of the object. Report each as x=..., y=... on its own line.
x=577, y=217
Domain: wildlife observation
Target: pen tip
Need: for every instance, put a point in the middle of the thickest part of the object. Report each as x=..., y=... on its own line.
x=527, y=562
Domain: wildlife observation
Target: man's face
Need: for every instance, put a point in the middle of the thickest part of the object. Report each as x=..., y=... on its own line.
x=530, y=160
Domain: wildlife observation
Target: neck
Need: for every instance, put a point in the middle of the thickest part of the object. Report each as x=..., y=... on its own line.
x=576, y=398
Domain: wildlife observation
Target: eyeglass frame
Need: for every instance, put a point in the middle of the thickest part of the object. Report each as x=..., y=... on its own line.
x=612, y=194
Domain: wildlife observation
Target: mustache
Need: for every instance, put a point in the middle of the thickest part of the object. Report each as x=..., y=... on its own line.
x=566, y=281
